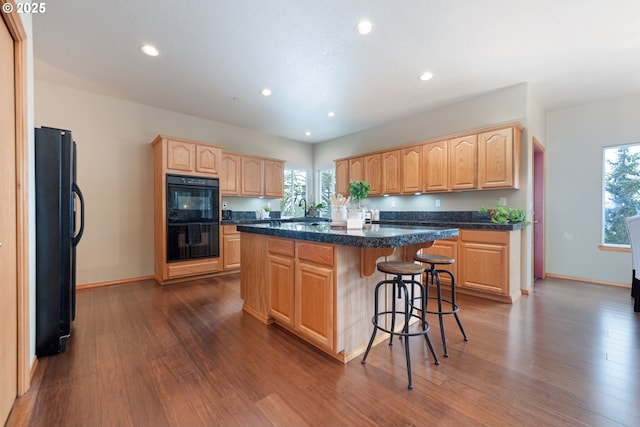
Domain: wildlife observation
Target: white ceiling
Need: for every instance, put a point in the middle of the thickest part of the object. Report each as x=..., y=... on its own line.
x=217, y=55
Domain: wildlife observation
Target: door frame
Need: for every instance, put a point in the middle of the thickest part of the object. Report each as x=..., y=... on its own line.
x=538, y=240
x=19, y=35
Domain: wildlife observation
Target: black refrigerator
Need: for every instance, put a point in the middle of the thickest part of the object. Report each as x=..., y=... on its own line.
x=59, y=227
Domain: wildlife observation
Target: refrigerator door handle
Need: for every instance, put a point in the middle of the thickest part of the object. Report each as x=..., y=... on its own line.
x=76, y=239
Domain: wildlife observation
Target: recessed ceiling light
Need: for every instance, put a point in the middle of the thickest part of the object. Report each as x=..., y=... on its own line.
x=426, y=76
x=307, y=133
x=364, y=27
x=331, y=114
x=149, y=50
x=266, y=92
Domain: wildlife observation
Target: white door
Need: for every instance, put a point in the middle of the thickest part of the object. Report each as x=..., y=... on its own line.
x=8, y=233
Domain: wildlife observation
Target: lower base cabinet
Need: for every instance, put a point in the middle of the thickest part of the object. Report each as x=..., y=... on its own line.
x=230, y=247
x=302, y=283
x=487, y=262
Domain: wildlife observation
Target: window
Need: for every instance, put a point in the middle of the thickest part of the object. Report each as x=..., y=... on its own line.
x=621, y=191
x=326, y=187
x=295, y=189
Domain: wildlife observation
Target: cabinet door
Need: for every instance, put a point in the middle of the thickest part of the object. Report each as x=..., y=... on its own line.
x=356, y=169
x=208, y=159
x=373, y=173
x=484, y=261
x=273, y=178
x=181, y=156
x=230, y=174
x=463, y=155
x=391, y=172
x=282, y=274
x=435, y=159
x=252, y=176
x=412, y=170
x=230, y=247
x=497, y=159
x=342, y=177
x=314, y=303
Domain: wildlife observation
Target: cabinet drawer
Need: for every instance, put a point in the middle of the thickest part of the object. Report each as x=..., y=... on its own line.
x=230, y=229
x=192, y=268
x=284, y=247
x=483, y=236
x=314, y=252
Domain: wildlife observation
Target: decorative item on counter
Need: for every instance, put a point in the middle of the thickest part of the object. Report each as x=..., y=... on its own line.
x=263, y=213
x=339, y=210
x=315, y=210
x=504, y=214
x=359, y=191
x=376, y=214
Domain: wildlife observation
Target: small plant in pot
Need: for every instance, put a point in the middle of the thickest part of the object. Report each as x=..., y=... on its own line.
x=503, y=214
x=315, y=210
x=359, y=190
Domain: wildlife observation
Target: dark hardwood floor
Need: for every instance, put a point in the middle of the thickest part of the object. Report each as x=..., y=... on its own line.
x=186, y=355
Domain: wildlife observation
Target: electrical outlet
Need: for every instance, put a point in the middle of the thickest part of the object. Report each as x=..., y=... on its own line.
x=503, y=201
x=437, y=203
x=393, y=203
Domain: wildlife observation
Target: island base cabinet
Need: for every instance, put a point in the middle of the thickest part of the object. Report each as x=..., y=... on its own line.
x=314, y=305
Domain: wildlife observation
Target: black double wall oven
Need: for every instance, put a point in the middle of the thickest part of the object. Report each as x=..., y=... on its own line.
x=193, y=221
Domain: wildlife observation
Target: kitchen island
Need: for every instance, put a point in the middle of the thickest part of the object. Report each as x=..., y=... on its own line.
x=317, y=281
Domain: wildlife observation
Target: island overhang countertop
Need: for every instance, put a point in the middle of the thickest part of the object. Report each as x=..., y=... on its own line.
x=371, y=236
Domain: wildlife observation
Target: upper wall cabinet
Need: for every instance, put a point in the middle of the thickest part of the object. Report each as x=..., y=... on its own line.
x=411, y=170
x=435, y=160
x=342, y=177
x=463, y=163
x=187, y=157
x=373, y=173
x=483, y=159
x=251, y=176
x=356, y=169
x=230, y=174
x=499, y=158
x=273, y=178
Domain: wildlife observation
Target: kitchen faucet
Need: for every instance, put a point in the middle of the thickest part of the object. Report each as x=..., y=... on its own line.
x=302, y=200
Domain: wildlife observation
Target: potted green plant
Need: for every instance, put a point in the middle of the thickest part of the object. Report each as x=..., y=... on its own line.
x=359, y=190
x=500, y=214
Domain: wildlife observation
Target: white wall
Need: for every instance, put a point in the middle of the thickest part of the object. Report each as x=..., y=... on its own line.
x=575, y=138
x=115, y=170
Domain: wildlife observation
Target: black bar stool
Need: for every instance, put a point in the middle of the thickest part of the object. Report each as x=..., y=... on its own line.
x=399, y=288
x=432, y=273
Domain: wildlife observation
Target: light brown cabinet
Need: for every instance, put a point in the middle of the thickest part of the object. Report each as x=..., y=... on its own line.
x=342, y=177
x=463, y=163
x=499, y=158
x=356, y=169
x=186, y=157
x=252, y=176
x=302, y=289
x=411, y=170
x=230, y=174
x=281, y=278
x=485, y=159
x=435, y=159
x=391, y=172
x=489, y=263
x=273, y=178
x=373, y=173
x=257, y=176
x=230, y=247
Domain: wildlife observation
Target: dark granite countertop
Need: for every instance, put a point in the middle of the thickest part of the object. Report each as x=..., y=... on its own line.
x=469, y=220
x=373, y=236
